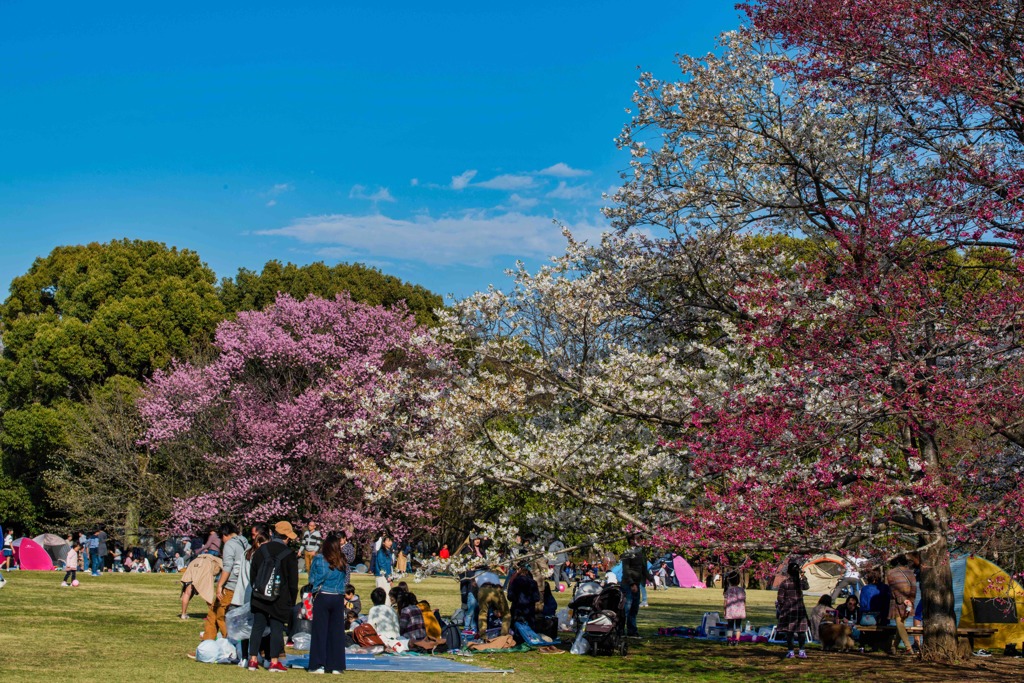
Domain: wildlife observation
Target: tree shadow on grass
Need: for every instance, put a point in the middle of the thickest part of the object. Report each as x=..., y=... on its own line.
x=672, y=657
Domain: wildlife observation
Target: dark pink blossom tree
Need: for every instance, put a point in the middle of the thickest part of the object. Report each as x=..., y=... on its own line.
x=303, y=414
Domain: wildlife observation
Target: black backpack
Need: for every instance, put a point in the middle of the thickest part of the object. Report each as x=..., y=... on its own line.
x=267, y=584
x=452, y=634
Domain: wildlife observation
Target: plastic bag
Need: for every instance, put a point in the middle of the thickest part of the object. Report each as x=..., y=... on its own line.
x=301, y=641
x=580, y=646
x=219, y=651
x=564, y=620
x=239, y=622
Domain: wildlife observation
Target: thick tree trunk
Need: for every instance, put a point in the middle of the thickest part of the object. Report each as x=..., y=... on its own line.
x=131, y=525
x=939, y=642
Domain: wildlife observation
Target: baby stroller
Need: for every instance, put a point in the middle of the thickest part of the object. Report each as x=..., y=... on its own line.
x=605, y=629
x=582, y=604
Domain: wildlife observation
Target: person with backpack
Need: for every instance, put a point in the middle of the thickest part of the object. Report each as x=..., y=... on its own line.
x=634, y=576
x=328, y=576
x=274, y=578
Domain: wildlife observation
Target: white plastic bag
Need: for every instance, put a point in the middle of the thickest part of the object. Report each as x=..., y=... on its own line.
x=239, y=622
x=580, y=646
x=564, y=620
x=219, y=651
x=301, y=641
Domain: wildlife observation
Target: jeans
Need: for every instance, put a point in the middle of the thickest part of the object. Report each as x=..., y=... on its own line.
x=632, y=608
x=643, y=594
x=557, y=575
x=327, y=648
x=96, y=562
x=472, y=610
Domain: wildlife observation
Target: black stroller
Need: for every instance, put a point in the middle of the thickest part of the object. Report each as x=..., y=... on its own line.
x=602, y=618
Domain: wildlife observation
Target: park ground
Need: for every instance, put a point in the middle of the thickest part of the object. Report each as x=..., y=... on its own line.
x=126, y=628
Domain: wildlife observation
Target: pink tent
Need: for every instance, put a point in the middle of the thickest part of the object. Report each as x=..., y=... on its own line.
x=30, y=555
x=685, y=575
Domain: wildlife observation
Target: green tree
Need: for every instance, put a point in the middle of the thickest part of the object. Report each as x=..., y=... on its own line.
x=250, y=290
x=80, y=316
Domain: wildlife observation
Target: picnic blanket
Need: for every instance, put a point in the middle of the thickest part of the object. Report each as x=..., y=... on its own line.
x=400, y=663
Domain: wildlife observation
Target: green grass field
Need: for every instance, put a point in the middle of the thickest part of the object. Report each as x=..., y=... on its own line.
x=126, y=628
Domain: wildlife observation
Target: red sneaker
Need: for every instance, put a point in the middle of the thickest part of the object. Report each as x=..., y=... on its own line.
x=277, y=666
x=254, y=664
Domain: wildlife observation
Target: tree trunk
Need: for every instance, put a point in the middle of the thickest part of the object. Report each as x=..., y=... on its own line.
x=939, y=642
x=131, y=525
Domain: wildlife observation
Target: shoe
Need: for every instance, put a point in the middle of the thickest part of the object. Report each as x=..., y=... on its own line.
x=64, y=584
x=337, y=672
x=317, y=671
x=982, y=653
x=644, y=604
x=254, y=664
x=277, y=666
x=184, y=616
x=801, y=655
x=790, y=654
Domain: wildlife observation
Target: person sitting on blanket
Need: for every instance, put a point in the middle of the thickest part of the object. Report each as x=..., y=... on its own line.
x=410, y=618
x=383, y=618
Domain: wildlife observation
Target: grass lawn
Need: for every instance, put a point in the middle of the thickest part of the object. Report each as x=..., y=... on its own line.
x=126, y=628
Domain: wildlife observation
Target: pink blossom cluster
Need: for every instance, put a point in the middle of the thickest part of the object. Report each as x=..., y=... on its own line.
x=303, y=413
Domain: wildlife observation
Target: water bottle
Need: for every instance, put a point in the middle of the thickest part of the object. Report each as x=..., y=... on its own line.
x=748, y=626
x=277, y=584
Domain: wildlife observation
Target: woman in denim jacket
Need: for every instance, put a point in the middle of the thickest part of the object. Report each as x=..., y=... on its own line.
x=328, y=575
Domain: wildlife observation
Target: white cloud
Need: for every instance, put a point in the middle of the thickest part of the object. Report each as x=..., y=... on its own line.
x=414, y=182
x=474, y=238
x=279, y=189
x=566, y=191
x=382, y=194
x=563, y=170
x=523, y=202
x=516, y=181
x=461, y=181
x=272, y=202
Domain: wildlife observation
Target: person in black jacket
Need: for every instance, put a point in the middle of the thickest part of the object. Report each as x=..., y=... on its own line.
x=523, y=595
x=634, y=575
x=273, y=612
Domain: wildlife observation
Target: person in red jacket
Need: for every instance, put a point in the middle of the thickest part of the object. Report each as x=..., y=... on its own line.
x=445, y=553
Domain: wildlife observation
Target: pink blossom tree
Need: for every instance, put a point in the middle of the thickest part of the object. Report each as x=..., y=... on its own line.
x=303, y=412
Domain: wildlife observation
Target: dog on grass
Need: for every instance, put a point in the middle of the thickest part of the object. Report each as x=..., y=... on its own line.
x=836, y=637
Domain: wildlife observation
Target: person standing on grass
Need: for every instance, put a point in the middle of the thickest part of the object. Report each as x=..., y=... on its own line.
x=634, y=576
x=311, y=540
x=735, y=606
x=329, y=579
x=8, y=549
x=382, y=564
x=273, y=610
x=234, y=547
x=101, y=549
x=348, y=550
x=94, y=553
x=71, y=563
x=790, y=609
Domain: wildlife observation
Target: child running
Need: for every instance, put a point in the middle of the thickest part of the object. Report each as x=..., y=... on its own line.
x=71, y=562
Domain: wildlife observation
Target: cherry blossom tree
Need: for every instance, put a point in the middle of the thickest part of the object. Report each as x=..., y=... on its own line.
x=304, y=412
x=794, y=337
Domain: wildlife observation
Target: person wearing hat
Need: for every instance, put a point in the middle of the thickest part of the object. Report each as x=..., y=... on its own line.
x=273, y=611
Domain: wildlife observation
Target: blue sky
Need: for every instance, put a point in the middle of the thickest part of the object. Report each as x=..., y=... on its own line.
x=438, y=143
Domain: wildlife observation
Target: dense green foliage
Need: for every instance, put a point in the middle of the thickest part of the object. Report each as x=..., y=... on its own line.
x=250, y=291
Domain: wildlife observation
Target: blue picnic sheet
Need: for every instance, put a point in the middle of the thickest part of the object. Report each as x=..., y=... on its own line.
x=406, y=662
